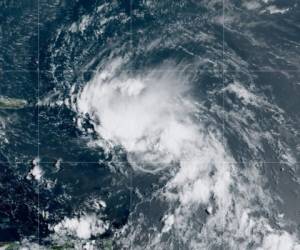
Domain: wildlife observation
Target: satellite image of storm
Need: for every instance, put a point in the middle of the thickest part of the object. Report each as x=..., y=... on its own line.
x=150, y=124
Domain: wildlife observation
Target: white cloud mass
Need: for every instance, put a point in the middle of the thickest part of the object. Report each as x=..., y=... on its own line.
x=154, y=118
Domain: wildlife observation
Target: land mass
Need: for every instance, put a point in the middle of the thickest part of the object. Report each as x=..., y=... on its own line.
x=11, y=103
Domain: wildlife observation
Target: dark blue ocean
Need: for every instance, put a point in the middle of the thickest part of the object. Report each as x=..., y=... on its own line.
x=150, y=124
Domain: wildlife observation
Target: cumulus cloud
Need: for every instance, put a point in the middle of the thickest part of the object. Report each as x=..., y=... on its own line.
x=36, y=172
x=83, y=227
x=282, y=241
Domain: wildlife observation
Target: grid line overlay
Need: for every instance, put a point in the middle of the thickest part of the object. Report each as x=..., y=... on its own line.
x=131, y=177
x=38, y=115
x=157, y=70
x=99, y=162
x=223, y=94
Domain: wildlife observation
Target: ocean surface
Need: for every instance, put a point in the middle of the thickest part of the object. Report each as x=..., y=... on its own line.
x=150, y=124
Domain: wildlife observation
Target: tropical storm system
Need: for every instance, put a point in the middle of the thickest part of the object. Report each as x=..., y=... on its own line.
x=150, y=125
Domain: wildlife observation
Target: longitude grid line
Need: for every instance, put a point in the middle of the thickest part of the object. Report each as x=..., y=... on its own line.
x=223, y=94
x=131, y=172
x=38, y=115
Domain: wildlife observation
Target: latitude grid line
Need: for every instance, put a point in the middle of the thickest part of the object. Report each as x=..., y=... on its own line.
x=99, y=162
x=142, y=70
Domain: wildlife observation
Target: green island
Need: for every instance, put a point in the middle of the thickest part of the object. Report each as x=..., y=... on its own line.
x=11, y=103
